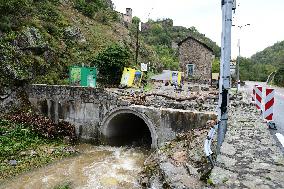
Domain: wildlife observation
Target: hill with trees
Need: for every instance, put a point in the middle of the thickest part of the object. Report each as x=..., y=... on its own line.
x=264, y=63
x=39, y=40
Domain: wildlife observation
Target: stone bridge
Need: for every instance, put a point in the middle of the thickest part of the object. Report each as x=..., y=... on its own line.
x=101, y=115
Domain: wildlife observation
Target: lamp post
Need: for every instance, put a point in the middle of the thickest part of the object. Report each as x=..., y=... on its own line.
x=238, y=61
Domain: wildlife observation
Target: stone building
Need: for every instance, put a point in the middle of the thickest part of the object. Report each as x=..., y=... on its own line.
x=195, y=59
x=126, y=18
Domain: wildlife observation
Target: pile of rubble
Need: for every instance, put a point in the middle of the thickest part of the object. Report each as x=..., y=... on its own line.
x=191, y=97
x=180, y=163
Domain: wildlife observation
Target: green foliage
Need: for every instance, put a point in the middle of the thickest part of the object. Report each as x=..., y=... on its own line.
x=15, y=6
x=90, y=7
x=163, y=33
x=13, y=12
x=167, y=57
x=148, y=87
x=63, y=186
x=216, y=66
x=110, y=63
x=263, y=63
x=106, y=16
x=273, y=55
x=158, y=35
x=136, y=20
x=16, y=137
x=254, y=72
x=279, y=77
x=33, y=44
x=19, y=142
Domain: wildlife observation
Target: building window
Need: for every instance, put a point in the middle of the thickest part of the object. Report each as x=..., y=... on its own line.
x=190, y=70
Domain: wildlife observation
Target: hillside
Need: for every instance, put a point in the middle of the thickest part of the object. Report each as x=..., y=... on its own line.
x=273, y=55
x=40, y=39
x=263, y=63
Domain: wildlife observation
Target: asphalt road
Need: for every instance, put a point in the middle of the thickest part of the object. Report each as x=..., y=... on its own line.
x=278, y=108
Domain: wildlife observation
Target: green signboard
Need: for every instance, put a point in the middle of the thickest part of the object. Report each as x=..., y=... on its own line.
x=83, y=76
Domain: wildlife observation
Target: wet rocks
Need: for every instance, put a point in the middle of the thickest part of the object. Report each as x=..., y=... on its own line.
x=74, y=33
x=178, y=164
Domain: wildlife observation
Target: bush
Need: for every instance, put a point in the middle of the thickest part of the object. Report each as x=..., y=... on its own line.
x=279, y=78
x=14, y=6
x=111, y=62
x=90, y=7
x=106, y=16
x=44, y=126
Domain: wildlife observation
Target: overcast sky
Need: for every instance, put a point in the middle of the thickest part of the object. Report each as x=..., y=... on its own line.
x=264, y=16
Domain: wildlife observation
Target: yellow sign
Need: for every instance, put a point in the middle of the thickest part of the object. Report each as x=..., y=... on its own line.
x=176, y=78
x=131, y=77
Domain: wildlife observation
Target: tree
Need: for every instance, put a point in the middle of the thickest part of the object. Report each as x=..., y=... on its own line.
x=216, y=66
x=110, y=63
x=279, y=77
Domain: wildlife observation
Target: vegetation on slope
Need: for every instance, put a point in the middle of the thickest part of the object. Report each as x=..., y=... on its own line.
x=262, y=64
x=40, y=39
x=24, y=146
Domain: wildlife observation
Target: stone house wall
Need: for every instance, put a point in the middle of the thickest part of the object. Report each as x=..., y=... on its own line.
x=191, y=51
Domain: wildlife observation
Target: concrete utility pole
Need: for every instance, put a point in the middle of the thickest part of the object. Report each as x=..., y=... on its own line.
x=225, y=81
x=137, y=44
x=238, y=62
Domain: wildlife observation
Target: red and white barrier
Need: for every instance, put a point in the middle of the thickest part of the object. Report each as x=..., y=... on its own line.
x=253, y=93
x=258, y=97
x=268, y=104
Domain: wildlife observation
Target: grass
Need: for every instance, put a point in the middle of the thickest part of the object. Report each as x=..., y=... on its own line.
x=148, y=87
x=29, y=150
x=63, y=186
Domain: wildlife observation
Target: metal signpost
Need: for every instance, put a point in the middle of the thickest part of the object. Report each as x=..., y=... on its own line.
x=225, y=82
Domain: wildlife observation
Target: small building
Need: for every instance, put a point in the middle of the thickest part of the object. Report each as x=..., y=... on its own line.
x=128, y=16
x=195, y=59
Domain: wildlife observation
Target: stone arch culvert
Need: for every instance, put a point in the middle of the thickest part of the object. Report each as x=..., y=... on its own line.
x=126, y=126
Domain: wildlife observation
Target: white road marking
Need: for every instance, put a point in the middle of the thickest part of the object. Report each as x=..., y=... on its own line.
x=280, y=138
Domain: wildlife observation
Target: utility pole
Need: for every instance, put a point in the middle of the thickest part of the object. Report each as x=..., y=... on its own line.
x=238, y=67
x=225, y=81
x=137, y=44
x=238, y=62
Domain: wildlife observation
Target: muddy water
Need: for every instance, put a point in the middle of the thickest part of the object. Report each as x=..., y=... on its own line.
x=98, y=167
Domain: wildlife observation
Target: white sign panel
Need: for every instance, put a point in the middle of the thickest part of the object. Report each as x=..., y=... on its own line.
x=143, y=67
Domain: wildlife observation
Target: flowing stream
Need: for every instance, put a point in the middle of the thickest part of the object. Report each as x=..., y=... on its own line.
x=97, y=167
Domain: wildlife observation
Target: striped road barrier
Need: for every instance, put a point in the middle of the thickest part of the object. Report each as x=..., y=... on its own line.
x=268, y=104
x=258, y=97
x=253, y=93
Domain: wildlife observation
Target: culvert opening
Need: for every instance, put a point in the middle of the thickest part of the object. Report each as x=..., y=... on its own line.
x=127, y=129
